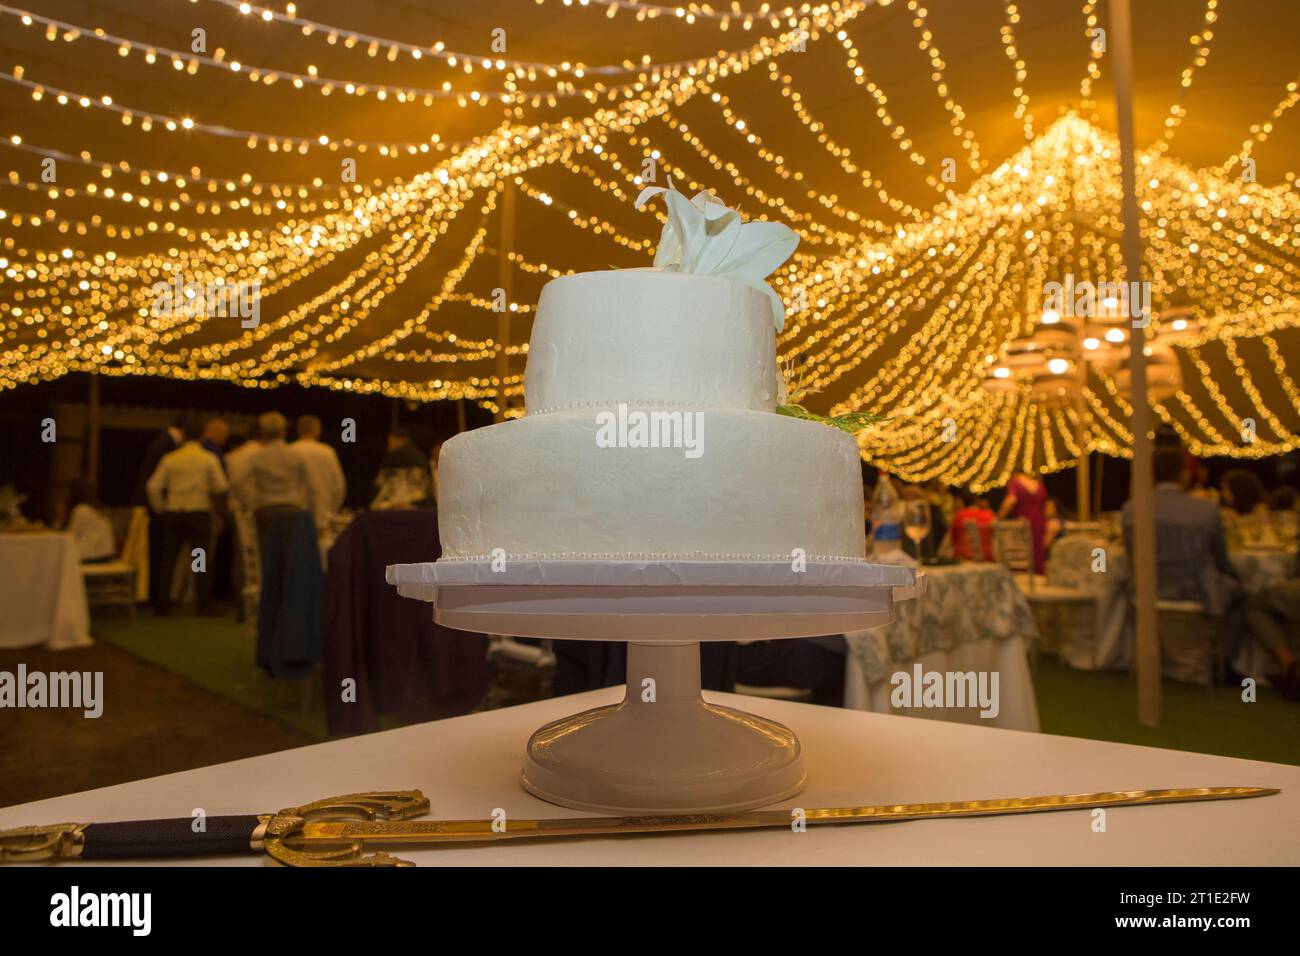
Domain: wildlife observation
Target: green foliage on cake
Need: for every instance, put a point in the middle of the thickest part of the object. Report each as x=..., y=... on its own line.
x=791, y=388
x=851, y=422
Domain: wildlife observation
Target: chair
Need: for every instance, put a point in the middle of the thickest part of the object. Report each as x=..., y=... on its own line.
x=116, y=582
x=1191, y=642
x=135, y=549
x=1013, y=548
x=250, y=569
x=1066, y=619
x=110, y=583
x=538, y=657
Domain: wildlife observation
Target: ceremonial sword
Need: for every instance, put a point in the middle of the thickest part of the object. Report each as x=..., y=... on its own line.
x=340, y=831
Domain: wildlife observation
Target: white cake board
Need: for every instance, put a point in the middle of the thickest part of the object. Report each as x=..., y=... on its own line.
x=663, y=749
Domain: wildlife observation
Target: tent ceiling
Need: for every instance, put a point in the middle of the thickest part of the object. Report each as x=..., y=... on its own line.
x=396, y=294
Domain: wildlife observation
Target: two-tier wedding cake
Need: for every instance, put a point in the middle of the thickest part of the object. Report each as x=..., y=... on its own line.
x=651, y=430
x=665, y=488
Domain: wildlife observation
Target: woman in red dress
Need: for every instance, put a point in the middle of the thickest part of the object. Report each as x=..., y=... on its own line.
x=1027, y=498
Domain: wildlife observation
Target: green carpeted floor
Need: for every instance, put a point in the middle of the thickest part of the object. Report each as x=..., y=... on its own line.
x=1103, y=706
x=215, y=653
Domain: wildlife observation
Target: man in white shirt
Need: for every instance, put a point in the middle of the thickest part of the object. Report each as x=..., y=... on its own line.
x=324, y=474
x=239, y=470
x=279, y=478
x=167, y=440
x=184, y=490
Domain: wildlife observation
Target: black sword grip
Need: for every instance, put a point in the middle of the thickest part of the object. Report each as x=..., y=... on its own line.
x=176, y=837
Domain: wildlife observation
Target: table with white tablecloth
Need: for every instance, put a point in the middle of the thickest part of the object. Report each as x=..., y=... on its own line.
x=42, y=593
x=469, y=766
x=1074, y=563
x=1100, y=566
x=970, y=617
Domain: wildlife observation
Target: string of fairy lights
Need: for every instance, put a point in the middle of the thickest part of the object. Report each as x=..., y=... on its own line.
x=936, y=316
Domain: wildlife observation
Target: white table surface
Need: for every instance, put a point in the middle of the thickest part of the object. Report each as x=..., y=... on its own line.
x=42, y=592
x=468, y=766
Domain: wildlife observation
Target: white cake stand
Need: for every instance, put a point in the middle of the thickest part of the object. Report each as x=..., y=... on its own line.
x=663, y=749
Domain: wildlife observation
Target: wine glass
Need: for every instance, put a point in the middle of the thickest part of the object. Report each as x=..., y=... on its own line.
x=916, y=524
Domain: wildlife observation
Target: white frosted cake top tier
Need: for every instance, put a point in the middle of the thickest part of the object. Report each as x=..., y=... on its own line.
x=652, y=337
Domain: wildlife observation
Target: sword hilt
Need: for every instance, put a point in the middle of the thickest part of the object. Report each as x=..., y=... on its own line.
x=247, y=833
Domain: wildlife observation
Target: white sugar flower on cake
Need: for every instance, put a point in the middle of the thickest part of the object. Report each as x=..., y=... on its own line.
x=704, y=236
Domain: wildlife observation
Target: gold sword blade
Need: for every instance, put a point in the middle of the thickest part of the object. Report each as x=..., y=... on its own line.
x=415, y=832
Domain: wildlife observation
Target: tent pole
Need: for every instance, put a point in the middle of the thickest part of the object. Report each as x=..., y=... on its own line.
x=1096, y=484
x=1082, y=470
x=92, y=431
x=1143, y=559
x=505, y=282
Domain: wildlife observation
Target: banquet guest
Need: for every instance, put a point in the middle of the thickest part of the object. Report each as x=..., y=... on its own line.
x=167, y=440
x=1055, y=524
x=1245, y=506
x=1027, y=498
x=277, y=481
x=972, y=529
x=1167, y=437
x=1273, y=619
x=405, y=479
x=88, y=525
x=239, y=469
x=289, y=600
x=1285, y=517
x=215, y=435
x=1243, y=492
x=187, y=488
x=943, y=498
x=324, y=473
x=1191, y=550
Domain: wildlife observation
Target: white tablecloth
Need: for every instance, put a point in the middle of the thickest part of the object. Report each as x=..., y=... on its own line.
x=1071, y=565
x=42, y=594
x=468, y=766
x=971, y=617
x=1071, y=561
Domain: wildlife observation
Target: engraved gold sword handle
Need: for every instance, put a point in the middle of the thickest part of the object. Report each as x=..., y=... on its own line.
x=376, y=805
x=57, y=841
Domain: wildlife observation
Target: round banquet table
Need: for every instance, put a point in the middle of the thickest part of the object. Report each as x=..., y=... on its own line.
x=971, y=617
x=42, y=593
x=1070, y=565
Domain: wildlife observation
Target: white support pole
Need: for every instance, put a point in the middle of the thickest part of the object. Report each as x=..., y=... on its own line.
x=505, y=281
x=1082, y=435
x=1143, y=559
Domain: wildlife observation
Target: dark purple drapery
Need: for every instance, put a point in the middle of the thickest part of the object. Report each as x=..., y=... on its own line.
x=404, y=664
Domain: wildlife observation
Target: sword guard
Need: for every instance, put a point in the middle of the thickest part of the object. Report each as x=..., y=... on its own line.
x=376, y=805
x=57, y=841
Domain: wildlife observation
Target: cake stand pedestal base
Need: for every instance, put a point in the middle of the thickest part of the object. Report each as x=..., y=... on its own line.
x=663, y=749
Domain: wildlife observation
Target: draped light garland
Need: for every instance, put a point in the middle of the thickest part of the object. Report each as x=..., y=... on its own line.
x=915, y=318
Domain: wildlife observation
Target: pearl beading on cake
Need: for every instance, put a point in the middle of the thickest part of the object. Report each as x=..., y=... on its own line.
x=645, y=556
x=615, y=402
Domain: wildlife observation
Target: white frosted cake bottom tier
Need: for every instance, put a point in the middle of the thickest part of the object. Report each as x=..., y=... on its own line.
x=747, y=486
